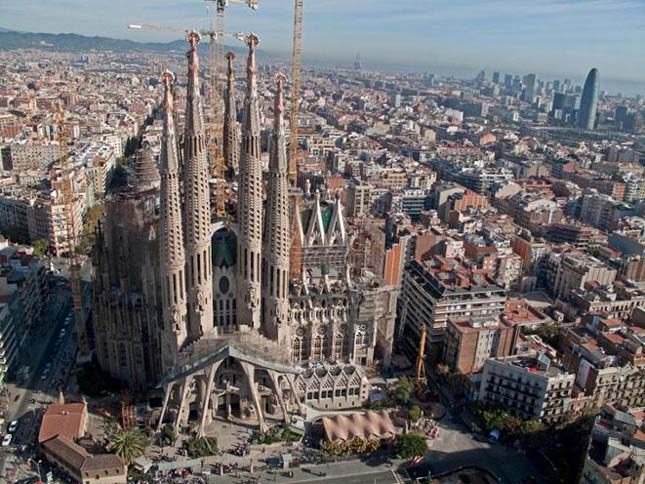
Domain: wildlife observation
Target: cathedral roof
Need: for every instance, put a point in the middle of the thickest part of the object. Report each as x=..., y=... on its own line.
x=326, y=212
x=326, y=216
x=321, y=223
x=224, y=248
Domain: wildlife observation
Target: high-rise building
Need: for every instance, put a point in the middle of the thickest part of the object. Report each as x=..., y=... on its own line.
x=621, y=113
x=508, y=81
x=496, y=77
x=531, y=85
x=589, y=101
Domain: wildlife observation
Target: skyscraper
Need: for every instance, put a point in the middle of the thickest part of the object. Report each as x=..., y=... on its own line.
x=495, y=77
x=531, y=84
x=589, y=101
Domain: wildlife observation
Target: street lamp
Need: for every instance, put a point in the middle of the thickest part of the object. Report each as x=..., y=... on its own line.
x=37, y=462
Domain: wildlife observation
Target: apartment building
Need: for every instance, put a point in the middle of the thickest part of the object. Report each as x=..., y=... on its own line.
x=470, y=342
x=530, y=387
x=440, y=289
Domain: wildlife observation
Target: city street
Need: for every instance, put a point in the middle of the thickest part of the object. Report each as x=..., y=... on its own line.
x=52, y=354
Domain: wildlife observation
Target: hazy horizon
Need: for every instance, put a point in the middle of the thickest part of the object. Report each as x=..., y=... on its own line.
x=552, y=38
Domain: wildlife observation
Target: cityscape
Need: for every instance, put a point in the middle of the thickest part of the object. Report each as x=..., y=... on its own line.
x=225, y=260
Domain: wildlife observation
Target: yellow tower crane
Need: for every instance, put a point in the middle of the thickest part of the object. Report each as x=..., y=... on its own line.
x=67, y=189
x=421, y=356
x=296, y=59
x=216, y=98
x=216, y=131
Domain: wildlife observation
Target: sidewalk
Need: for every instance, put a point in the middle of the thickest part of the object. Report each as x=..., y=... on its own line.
x=304, y=474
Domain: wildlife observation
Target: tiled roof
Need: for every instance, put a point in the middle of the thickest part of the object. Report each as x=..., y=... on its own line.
x=65, y=419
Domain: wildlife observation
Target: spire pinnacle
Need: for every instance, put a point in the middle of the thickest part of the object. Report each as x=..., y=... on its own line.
x=194, y=121
x=171, y=237
x=168, y=80
x=169, y=158
x=280, y=80
x=276, y=228
x=193, y=39
x=196, y=204
x=250, y=203
x=252, y=41
x=230, y=57
x=251, y=122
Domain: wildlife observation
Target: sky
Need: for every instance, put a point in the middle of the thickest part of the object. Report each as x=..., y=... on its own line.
x=549, y=37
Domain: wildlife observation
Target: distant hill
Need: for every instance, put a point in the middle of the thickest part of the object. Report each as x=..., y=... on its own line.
x=10, y=40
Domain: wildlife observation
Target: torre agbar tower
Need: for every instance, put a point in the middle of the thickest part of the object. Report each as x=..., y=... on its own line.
x=249, y=207
x=172, y=254
x=275, y=269
x=196, y=206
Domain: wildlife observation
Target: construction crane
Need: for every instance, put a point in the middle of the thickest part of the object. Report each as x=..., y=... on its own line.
x=421, y=356
x=203, y=33
x=216, y=48
x=216, y=99
x=67, y=189
x=215, y=133
x=296, y=57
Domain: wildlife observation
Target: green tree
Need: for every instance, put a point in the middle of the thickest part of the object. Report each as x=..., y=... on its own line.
x=40, y=247
x=410, y=445
x=128, y=444
x=201, y=447
x=403, y=391
x=414, y=414
x=332, y=448
x=548, y=332
x=166, y=437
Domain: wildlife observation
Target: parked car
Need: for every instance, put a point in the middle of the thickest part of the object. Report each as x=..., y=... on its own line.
x=13, y=426
x=7, y=440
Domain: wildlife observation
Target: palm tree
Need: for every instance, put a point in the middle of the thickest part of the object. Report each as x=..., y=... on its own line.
x=128, y=444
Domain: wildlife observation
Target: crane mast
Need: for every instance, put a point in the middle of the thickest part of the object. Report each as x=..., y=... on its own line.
x=216, y=135
x=421, y=355
x=216, y=131
x=70, y=223
x=296, y=57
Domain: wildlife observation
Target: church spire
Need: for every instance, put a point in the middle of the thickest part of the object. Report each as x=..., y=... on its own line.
x=171, y=240
x=250, y=203
x=197, y=205
x=231, y=141
x=276, y=228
